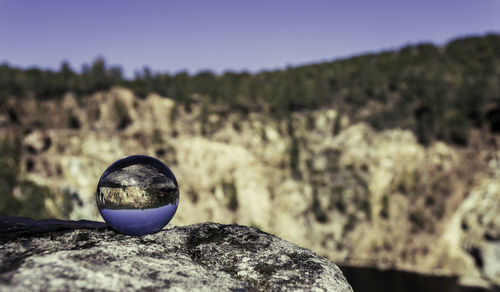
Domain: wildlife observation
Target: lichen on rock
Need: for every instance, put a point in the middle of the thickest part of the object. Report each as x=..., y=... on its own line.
x=44, y=255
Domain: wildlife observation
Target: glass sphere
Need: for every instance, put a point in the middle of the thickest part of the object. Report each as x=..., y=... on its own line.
x=137, y=195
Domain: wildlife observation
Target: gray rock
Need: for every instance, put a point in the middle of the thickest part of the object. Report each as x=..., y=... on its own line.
x=56, y=255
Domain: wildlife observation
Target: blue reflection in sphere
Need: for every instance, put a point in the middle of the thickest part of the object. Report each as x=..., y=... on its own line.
x=137, y=195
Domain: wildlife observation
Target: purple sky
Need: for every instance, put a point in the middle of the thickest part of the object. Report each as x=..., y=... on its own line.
x=227, y=35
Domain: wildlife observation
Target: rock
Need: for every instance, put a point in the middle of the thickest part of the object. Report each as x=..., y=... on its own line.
x=14, y=227
x=57, y=255
x=480, y=227
x=364, y=197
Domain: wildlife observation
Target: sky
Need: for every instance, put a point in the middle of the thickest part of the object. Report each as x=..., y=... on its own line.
x=172, y=36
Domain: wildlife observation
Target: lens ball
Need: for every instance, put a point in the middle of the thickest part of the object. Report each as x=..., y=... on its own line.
x=137, y=195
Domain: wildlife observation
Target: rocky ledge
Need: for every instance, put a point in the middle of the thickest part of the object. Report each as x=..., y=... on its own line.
x=56, y=255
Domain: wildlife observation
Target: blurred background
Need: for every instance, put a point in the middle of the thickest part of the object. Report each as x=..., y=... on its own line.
x=365, y=131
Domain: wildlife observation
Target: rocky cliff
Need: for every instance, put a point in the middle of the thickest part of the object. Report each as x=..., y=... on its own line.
x=318, y=179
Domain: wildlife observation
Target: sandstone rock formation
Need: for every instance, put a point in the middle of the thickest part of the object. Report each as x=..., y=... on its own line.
x=135, y=197
x=55, y=255
x=353, y=194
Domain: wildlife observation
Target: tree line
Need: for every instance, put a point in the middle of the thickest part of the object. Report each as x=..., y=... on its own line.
x=439, y=92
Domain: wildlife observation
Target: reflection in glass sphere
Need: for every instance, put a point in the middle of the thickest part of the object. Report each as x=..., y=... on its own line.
x=137, y=195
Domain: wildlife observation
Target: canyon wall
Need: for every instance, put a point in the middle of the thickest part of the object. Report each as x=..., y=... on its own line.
x=347, y=192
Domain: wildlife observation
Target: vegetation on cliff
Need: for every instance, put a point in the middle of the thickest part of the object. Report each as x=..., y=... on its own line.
x=437, y=92
x=133, y=197
x=19, y=196
x=358, y=195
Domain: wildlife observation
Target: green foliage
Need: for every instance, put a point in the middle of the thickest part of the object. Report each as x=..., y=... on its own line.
x=294, y=148
x=294, y=155
x=156, y=137
x=317, y=210
x=122, y=115
x=30, y=201
x=263, y=134
x=337, y=199
x=9, y=161
x=337, y=124
x=419, y=219
x=350, y=224
x=203, y=118
x=384, y=212
x=424, y=125
x=455, y=127
x=33, y=200
x=66, y=206
x=289, y=127
x=174, y=113
x=414, y=88
x=366, y=207
x=311, y=123
x=237, y=125
x=231, y=193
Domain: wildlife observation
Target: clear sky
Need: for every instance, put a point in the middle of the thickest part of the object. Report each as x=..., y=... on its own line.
x=170, y=36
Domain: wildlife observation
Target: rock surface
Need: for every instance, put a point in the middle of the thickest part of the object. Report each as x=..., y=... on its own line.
x=358, y=196
x=56, y=255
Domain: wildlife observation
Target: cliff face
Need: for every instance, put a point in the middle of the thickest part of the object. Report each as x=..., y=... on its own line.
x=135, y=197
x=345, y=191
